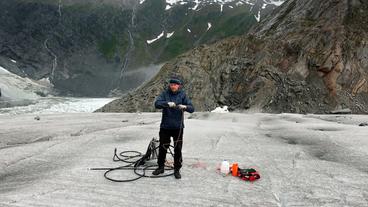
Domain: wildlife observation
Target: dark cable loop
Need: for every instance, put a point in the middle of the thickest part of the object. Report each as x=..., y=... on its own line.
x=136, y=164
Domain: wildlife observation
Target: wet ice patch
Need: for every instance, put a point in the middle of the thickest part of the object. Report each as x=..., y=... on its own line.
x=55, y=105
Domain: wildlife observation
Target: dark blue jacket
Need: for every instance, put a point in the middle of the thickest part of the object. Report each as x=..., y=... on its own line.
x=172, y=117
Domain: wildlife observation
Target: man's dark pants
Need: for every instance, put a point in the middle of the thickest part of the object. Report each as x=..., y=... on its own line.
x=165, y=135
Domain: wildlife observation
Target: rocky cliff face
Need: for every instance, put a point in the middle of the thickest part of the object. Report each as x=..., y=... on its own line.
x=90, y=48
x=307, y=57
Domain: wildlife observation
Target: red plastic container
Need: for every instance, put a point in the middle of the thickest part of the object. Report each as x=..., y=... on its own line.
x=234, y=169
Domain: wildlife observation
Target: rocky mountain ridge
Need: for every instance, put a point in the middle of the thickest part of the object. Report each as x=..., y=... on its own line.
x=107, y=47
x=306, y=57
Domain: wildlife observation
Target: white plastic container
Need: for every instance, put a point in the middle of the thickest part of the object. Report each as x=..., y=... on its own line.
x=225, y=168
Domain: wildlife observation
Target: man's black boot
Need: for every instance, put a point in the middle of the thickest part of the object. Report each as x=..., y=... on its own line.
x=158, y=171
x=177, y=174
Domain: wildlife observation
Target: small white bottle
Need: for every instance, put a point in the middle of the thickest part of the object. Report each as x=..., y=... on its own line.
x=225, y=168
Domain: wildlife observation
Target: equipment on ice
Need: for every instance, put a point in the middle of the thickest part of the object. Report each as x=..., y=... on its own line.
x=225, y=168
x=137, y=162
x=151, y=153
x=249, y=174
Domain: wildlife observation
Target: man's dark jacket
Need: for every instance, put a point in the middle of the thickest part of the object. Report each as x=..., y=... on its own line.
x=172, y=117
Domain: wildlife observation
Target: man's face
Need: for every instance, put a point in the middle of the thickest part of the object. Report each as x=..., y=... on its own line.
x=174, y=87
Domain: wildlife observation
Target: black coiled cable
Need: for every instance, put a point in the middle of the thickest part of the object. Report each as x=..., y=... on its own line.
x=136, y=162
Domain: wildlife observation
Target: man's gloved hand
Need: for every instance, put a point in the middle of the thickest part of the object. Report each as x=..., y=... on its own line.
x=182, y=107
x=171, y=104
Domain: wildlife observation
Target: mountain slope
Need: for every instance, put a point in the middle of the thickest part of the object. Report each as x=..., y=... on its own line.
x=89, y=48
x=306, y=57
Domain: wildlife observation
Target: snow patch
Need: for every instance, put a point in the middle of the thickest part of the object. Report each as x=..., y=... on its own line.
x=274, y=2
x=221, y=110
x=13, y=61
x=209, y=25
x=196, y=5
x=141, y=1
x=258, y=17
x=189, y=30
x=250, y=3
x=168, y=35
x=155, y=39
x=171, y=3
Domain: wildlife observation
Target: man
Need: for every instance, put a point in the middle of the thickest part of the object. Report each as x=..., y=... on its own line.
x=173, y=102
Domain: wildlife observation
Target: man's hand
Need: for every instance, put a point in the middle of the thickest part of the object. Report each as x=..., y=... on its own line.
x=171, y=104
x=182, y=107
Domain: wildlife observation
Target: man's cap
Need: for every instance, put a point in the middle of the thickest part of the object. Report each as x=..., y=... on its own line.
x=175, y=80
